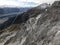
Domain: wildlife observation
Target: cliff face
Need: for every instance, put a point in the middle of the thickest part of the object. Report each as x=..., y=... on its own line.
x=43, y=29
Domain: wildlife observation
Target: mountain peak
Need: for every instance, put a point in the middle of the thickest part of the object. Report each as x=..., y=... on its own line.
x=43, y=6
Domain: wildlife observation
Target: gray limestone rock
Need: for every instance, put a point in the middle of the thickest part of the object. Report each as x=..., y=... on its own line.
x=43, y=29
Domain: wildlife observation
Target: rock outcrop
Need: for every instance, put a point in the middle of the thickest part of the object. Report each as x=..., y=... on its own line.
x=42, y=28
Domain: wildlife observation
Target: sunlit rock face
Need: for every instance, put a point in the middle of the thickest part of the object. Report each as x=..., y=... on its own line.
x=43, y=29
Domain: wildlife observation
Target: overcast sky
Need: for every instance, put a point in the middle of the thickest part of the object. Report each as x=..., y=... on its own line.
x=23, y=3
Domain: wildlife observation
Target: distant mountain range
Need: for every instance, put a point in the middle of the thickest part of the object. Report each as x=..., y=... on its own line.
x=8, y=10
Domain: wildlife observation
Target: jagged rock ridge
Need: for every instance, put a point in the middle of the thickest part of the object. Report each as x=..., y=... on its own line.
x=43, y=29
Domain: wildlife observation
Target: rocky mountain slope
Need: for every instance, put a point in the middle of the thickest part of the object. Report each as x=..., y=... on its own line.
x=41, y=28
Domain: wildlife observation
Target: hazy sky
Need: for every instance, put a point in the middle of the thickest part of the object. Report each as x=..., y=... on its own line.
x=23, y=3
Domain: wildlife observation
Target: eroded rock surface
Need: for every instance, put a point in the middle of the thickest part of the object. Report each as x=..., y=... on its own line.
x=43, y=29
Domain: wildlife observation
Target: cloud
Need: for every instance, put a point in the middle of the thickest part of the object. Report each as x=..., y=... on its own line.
x=23, y=3
x=30, y=3
x=38, y=1
x=16, y=3
x=5, y=2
